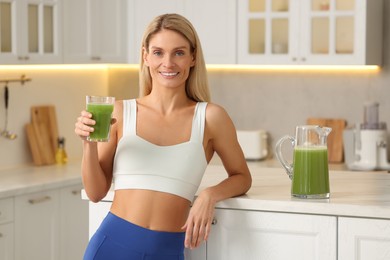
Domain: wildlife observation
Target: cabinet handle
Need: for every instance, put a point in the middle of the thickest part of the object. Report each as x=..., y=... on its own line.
x=23, y=57
x=95, y=58
x=76, y=192
x=303, y=59
x=214, y=222
x=1, y=235
x=39, y=200
x=294, y=59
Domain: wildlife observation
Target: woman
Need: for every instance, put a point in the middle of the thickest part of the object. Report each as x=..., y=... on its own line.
x=159, y=147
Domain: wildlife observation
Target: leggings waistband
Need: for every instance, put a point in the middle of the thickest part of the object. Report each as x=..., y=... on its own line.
x=142, y=239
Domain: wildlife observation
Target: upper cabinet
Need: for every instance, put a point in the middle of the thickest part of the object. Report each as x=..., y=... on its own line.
x=94, y=31
x=215, y=22
x=30, y=31
x=319, y=32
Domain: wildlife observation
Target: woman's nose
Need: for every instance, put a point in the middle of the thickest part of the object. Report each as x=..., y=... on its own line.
x=168, y=61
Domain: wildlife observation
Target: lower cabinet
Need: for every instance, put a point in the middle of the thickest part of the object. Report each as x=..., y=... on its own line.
x=51, y=225
x=37, y=226
x=74, y=223
x=7, y=229
x=363, y=239
x=253, y=235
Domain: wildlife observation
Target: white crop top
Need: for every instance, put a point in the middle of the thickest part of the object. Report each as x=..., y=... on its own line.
x=176, y=169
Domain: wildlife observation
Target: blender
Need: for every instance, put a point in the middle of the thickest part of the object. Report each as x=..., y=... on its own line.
x=370, y=142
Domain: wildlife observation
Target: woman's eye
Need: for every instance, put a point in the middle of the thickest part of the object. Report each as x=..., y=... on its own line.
x=179, y=53
x=157, y=53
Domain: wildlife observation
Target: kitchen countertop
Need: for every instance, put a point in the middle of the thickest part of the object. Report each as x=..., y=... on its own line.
x=27, y=179
x=353, y=194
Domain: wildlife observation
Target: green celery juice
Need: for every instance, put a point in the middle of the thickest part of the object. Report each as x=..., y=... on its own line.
x=310, y=172
x=101, y=113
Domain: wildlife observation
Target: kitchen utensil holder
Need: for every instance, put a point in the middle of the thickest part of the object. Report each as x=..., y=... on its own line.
x=23, y=79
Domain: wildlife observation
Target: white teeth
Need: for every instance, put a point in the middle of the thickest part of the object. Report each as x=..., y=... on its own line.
x=168, y=74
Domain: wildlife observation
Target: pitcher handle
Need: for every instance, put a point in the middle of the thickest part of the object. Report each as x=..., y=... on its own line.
x=278, y=151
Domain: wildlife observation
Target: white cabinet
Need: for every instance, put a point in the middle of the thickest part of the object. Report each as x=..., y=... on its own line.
x=6, y=229
x=319, y=32
x=214, y=21
x=30, y=31
x=37, y=226
x=51, y=224
x=364, y=239
x=141, y=13
x=74, y=223
x=94, y=31
x=255, y=235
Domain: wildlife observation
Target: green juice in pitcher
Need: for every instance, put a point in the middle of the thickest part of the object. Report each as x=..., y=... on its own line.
x=310, y=172
x=101, y=113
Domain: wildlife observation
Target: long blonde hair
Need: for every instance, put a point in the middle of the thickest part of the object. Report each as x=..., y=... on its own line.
x=197, y=87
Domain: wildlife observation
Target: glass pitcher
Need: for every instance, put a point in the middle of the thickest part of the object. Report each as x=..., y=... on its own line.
x=309, y=171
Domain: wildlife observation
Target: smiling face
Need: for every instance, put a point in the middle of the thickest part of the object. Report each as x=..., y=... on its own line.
x=169, y=59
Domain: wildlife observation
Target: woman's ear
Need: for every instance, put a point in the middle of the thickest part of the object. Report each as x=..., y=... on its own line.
x=193, y=61
x=145, y=56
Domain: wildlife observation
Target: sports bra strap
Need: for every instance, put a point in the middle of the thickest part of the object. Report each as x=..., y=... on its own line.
x=198, y=122
x=129, y=120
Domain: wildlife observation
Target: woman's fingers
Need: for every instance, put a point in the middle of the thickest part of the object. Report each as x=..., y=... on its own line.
x=83, y=124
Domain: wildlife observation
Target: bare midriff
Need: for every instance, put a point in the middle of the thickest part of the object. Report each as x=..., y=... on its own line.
x=153, y=210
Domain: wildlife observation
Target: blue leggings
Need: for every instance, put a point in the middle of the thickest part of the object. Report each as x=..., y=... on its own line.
x=117, y=239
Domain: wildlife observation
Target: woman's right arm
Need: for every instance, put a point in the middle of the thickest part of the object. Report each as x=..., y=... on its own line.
x=97, y=162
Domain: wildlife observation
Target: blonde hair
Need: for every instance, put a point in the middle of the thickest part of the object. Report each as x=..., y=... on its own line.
x=197, y=87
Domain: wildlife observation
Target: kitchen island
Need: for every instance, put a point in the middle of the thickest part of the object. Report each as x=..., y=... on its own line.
x=267, y=223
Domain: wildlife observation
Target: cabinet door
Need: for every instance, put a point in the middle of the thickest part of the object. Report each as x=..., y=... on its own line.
x=8, y=31
x=37, y=222
x=94, y=31
x=268, y=31
x=336, y=32
x=7, y=241
x=74, y=223
x=319, y=32
x=254, y=235
x=30, y=31
x=142, y=14
x=363, y=239
x=215, y=22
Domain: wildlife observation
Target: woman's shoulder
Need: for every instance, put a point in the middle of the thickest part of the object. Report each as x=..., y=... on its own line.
x=216, y=114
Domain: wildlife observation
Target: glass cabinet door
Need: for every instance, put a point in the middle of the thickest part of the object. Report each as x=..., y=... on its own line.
x=7, y=28
x=30, y=31
x=42, y=25
x=267, y=31
x=330, y=29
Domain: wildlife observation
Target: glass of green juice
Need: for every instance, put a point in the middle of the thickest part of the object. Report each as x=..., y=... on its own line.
x=309, y=171
x=101, y=109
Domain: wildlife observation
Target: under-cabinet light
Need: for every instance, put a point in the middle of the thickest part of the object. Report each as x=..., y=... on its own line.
x=235, y=67
x=298, y=68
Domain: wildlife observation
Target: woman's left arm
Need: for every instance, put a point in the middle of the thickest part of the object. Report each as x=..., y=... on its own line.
x=221, y=137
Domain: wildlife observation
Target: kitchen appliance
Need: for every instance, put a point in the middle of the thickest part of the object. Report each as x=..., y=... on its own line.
x=368, y=142
x=253, y=143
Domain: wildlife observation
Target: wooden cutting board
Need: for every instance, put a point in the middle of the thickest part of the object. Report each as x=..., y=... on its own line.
x=33, y=144
x=46, y=115
x=42, y=134
x=335, y=138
